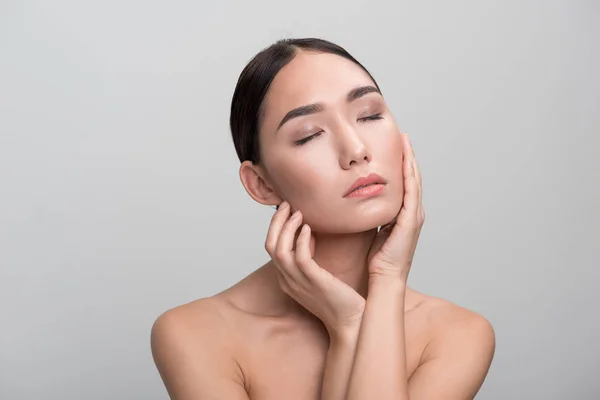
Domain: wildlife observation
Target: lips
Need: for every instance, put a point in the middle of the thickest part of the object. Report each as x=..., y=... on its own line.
x=370, y=179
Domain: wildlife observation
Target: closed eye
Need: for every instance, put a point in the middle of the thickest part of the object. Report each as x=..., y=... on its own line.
x=306, y=139
x=371, y=117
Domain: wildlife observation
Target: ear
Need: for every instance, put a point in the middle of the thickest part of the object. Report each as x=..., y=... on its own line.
x=255, y=182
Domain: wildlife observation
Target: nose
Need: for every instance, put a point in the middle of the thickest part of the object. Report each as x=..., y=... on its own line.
x=354, y=151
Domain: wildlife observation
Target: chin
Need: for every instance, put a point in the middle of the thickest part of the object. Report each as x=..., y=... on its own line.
x=360, y=217
x=377, y=216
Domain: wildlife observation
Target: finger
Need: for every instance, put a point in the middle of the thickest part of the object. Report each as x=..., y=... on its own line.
x=284, y=251
x=411, y=194
x=288, y=232
x=419, y=180
x=314, y=274
x=277, y=222
x=304, y=259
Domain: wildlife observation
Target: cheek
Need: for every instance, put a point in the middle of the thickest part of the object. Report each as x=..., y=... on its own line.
x=299, y=180
x=389, y=151
x=389, y=157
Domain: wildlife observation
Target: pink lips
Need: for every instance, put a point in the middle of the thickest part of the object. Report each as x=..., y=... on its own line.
x=369, y=185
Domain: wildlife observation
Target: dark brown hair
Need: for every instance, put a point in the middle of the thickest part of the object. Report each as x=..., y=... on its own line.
x=253, y=85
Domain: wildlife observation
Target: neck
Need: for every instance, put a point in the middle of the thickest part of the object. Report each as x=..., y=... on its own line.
x=344, y=256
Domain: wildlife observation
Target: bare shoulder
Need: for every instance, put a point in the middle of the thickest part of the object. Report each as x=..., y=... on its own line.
x=451, y=323
x=444, y=314
x=448, y=320
x=459, y=351
x=194, y=354
x=184, y=324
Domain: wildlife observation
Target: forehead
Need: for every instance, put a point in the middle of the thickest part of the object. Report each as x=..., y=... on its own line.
x=312, y=78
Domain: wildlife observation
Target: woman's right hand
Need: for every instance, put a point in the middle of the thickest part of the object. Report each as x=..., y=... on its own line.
x=331, y=300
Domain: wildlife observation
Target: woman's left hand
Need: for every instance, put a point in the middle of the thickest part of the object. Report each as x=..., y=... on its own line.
x=393, y=247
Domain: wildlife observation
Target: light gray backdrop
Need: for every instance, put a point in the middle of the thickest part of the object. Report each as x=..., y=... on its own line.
x=120, y=198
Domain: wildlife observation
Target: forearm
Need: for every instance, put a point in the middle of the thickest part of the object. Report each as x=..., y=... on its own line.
x=379, y=368
x=338, y=366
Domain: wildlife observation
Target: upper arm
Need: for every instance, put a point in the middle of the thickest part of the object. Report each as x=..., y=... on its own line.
x=458, y=359
x=194, y=357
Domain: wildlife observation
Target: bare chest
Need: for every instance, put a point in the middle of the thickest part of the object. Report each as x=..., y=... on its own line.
x=288, y=362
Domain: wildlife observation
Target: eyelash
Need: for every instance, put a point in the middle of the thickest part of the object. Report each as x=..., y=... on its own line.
x=373, y=117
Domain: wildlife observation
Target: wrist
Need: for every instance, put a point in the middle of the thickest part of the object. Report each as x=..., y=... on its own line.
x=395, y=280
x=346, y=333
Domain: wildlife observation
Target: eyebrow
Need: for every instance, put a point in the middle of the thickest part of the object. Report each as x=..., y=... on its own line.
x=309, y=109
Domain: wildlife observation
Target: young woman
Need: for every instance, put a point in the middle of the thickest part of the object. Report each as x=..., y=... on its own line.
x=330, y=316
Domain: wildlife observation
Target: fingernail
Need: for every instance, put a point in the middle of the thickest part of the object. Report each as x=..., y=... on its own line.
x=296, y=214
x=304, y=229
x=283, y=205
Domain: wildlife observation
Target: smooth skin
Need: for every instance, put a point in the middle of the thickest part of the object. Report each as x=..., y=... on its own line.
x=307, y=325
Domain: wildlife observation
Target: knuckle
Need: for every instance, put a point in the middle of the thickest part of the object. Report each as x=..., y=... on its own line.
x=269, y=247
x=280, y=255
x=301, y=259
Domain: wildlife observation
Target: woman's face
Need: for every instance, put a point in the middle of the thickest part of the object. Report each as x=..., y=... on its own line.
x=312, y=157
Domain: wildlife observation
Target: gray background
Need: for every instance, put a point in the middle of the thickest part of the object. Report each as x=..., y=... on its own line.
x=120, y=198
